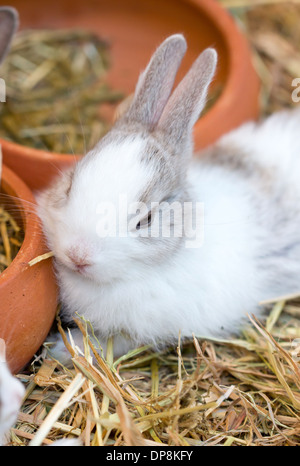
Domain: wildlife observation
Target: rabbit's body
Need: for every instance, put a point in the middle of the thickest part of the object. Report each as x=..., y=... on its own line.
x=265, y=157
x=147, y=290
x=12, y=392
x=11, y=395
x=250, y=252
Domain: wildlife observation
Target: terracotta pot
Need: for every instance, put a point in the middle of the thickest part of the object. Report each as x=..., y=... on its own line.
x=28, y=295
x=134, y=28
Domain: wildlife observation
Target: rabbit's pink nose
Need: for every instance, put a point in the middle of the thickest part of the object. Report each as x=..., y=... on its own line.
x=79, y=260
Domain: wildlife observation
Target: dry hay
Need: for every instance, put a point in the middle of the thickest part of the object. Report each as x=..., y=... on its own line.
x=239, y=392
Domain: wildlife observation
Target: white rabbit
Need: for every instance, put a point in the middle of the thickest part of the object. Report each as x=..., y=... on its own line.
x=11, y=395
x=145, y=290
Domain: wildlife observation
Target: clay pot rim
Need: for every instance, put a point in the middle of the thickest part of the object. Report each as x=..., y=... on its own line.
x=32, y=236
x=237, y=47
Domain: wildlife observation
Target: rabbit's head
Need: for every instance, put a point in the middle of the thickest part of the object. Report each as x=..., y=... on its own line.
x=99, y=217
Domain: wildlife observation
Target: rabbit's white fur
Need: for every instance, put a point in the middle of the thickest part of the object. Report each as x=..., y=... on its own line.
x=11, y=395
x=147, y=291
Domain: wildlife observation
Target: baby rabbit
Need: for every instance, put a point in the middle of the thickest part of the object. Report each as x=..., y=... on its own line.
x=141, y=285
x=11, y=395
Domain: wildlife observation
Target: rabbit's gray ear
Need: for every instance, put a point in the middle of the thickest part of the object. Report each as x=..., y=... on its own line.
x=155, y=83
x=187, y=101
x=9, y=21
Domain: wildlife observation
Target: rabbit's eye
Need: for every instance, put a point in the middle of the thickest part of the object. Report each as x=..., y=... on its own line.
x=145, y=222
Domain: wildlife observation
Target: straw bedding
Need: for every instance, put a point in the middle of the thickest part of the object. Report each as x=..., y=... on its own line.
x=239, y=392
